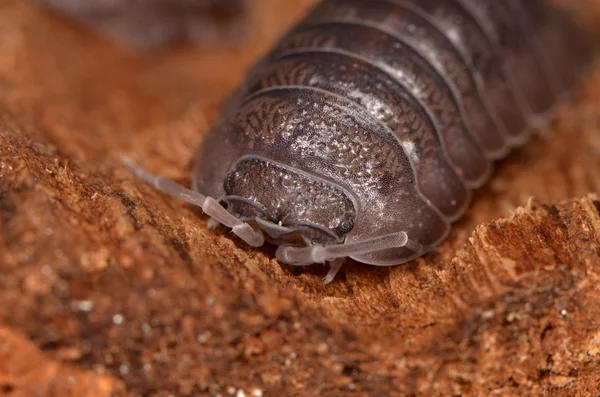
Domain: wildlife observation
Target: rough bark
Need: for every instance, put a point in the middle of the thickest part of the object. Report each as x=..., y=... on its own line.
x=110, y=287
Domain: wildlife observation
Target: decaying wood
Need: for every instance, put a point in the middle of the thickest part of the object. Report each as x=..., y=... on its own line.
x=122, y=288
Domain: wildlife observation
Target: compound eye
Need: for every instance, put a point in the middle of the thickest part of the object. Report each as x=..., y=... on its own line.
x=346, y=226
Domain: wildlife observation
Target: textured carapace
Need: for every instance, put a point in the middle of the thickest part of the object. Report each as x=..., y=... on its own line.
x=364, y=130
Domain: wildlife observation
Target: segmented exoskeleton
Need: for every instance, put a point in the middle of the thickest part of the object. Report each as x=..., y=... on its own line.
x=364, y=130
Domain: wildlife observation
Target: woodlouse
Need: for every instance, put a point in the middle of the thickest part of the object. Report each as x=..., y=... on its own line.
x=364, y=130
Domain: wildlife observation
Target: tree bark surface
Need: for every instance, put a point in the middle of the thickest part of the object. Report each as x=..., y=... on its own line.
x=108, y=287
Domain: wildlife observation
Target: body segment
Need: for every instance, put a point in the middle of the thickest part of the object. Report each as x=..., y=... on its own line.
x=364, y=130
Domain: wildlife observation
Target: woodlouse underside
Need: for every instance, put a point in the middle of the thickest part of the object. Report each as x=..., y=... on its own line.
x=364, y=130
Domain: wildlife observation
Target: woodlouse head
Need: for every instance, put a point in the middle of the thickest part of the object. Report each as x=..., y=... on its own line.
x=288, y=205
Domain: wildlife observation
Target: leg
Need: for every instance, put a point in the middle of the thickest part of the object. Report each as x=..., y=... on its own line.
x=209, y=205
x=302, y=256
x=212, y=224
x=334, y=268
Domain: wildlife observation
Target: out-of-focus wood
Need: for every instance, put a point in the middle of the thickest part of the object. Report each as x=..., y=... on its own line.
x=25, y=371
x=107, y=276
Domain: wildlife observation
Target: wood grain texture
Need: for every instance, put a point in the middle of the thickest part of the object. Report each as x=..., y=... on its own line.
x=106, y=275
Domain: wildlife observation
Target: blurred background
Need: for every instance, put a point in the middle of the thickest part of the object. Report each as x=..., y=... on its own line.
x=151, y=23
x=109, y=288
